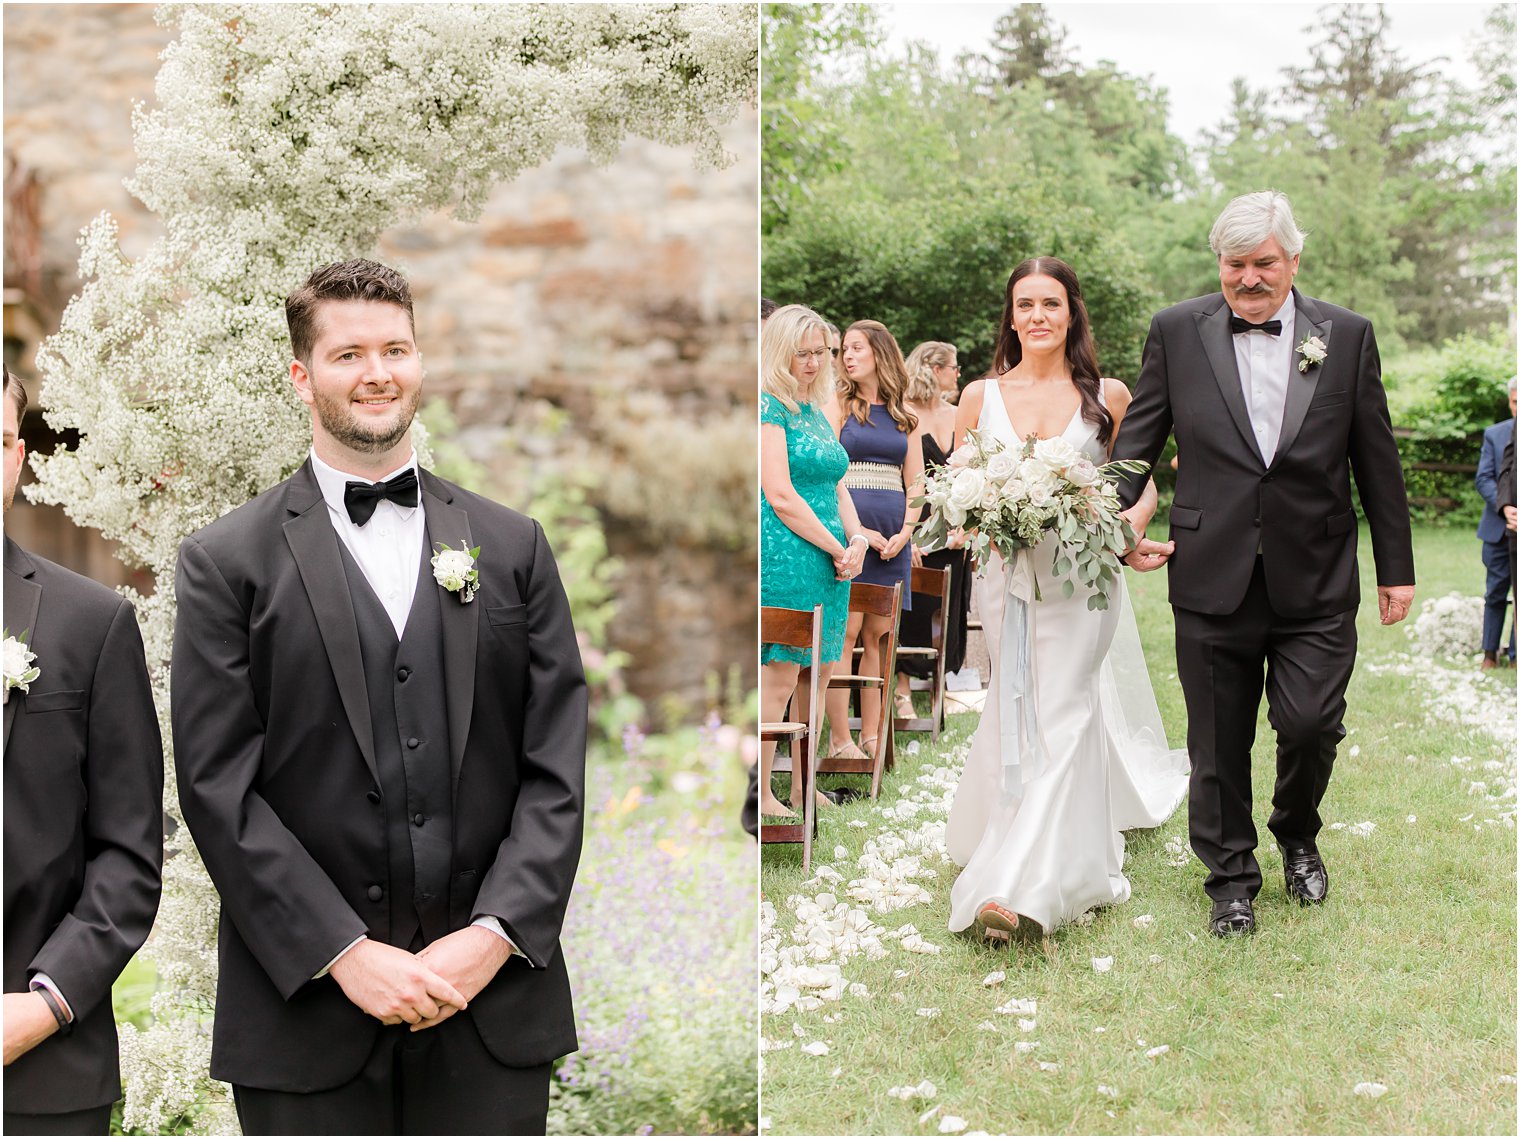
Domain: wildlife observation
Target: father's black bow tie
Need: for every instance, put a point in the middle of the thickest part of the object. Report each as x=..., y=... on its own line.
x=361, y=498
x=1241, y=324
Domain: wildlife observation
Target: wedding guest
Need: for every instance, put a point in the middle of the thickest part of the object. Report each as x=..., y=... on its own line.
x=767, y=306
x=932, y=379
x=1491, y=532
x=881, y=437
x=380, y=735
x=805, y=514
x=1505, y=496
x=84, y=784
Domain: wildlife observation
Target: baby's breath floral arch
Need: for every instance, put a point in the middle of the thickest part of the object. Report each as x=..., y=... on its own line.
x=285, y=137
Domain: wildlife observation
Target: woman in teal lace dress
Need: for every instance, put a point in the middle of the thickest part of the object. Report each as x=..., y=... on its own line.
x=805, y=513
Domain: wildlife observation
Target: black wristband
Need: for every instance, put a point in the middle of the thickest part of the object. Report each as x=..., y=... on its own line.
x=65, y=1025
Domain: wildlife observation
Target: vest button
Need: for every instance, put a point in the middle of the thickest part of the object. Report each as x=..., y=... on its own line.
x=372, y=796
x=412, y=742
x=403, y=673
x=375, y=893
x=418, y=819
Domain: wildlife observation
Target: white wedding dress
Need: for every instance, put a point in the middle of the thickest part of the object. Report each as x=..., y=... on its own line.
x=1051, y=848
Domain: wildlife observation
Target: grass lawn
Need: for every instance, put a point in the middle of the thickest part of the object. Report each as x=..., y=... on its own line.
x=1405, y=978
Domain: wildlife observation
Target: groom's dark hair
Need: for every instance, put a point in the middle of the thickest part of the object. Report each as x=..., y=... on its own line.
x=357, y=280
x=15, y=392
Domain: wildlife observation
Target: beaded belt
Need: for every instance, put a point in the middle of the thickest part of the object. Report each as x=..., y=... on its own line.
x=873, y=476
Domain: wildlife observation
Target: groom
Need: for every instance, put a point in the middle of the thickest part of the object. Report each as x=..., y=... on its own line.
x=1276, y=401
x=381, y=761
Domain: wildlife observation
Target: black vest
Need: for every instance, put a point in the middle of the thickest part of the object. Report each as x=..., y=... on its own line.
x=408, y=713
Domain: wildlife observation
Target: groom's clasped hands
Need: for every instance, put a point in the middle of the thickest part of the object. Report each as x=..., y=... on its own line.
x=422, y=989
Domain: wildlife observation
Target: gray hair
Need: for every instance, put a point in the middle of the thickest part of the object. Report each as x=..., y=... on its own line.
x=1512, y=381
x=1252, y=218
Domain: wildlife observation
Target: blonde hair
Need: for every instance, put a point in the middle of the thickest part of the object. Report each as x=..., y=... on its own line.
x=923, y=387
x=780, y=340
x=891, y=377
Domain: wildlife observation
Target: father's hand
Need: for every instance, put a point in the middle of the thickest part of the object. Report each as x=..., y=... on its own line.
x=392, y=985
x=1394, y=602
x=1509, y=517
x=28, y=1022
x=1148, y=555
x=468, y=958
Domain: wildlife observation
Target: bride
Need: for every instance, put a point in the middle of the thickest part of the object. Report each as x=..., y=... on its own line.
x=1047, y=850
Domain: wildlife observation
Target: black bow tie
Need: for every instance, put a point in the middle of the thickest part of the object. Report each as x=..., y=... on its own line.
x=361, y=498
x=1241, y=324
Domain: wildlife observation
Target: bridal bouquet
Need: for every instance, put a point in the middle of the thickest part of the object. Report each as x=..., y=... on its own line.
x=1012, y=497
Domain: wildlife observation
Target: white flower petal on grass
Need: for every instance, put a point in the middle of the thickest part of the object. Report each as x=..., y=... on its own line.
x=798, y=1030
x=859, y=990
x=988, y=1026
x=1155, y=959
x=952, y=1125
x=930, y=1114
x=765, y=1123
x=1362, y=830
x=836, y=1073
x=924, y=1089
x=1410, y=818
x=915, y=943
x=1111, y=1093
x=1370, y=1090
x=859, y=824
x=1142, y=921
x=1048, y=1066
x=816, y=1048
x=1159, y=1050
x=1102, y=964
x=899, y=973
x=996, y=977
x=1356, y=750
x=931, y=1013
x=1017, y=1007
x=1026, y=1025
x=1025, y=1045
x=1100, y=1028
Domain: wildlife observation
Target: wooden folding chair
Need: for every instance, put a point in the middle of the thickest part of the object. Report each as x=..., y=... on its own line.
x=798, y=629
x=881, y=601
x=931, y=584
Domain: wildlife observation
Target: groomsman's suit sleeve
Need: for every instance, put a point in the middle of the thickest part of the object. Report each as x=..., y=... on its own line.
x=123, y=827
x=1374, y=455
x=1148, y=421
x=528, y=885
x=288, y=911
x=1487, y=478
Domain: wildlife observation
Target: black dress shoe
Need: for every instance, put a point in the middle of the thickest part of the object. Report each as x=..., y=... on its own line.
x=1305, y=877
x=1230, y=916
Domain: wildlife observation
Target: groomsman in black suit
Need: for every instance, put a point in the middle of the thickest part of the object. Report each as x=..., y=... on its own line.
x=382, y=762
x=84, y=785
x=1277, y=401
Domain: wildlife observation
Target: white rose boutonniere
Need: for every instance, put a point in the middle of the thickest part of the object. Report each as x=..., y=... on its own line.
x=19, y=669
x=1313, y=351
x=453, y=569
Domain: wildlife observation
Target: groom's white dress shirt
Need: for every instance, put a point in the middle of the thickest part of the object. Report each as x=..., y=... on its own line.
x=387, y=549
x=1265, y=363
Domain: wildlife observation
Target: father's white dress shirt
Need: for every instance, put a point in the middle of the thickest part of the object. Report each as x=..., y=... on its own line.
x=1265, y=363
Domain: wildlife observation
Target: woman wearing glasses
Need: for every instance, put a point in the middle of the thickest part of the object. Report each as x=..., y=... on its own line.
x=811, y=540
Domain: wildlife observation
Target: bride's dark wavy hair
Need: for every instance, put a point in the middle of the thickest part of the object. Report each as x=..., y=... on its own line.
x=1081, y=353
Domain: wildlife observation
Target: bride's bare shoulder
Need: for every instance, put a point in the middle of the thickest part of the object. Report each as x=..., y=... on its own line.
x=972, y=392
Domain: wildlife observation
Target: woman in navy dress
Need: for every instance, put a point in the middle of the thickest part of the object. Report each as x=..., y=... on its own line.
x=881, y=437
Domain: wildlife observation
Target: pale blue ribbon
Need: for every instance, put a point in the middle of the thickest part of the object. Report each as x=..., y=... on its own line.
x=1018, y=725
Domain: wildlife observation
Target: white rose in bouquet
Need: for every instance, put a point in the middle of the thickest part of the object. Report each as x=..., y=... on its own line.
x=1040, y=495
x=1082, y=473
x=961, y=456
x=991, y=497
x=1057, y=453
x=1002, y=466
x=1014, y=492
x=966, y=489
x=954, y=515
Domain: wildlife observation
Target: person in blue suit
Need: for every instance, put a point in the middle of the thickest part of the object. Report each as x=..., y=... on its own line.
x=1491, y=531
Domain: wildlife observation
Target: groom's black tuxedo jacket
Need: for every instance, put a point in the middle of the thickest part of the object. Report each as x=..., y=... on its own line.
x=278, y=777
x=1297, y=509
x=84, y=784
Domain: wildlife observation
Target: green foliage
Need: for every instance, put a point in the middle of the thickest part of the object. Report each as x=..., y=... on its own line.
x=938, y=271
x=1444, y=399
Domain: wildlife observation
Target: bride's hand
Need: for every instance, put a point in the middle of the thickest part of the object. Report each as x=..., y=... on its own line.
x=1148, y=555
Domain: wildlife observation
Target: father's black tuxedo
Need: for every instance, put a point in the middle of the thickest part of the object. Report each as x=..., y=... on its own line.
x=84, y=781
x=1265, y=567
x=299, y=810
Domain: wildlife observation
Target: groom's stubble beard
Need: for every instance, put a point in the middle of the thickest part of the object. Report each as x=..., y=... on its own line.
x=340, y=424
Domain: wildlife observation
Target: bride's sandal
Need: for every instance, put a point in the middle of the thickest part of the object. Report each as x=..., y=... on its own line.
x=997, y=920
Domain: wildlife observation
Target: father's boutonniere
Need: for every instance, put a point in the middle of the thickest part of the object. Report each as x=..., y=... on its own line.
x=453, y=569
x=19, y=669
x=1313, y=351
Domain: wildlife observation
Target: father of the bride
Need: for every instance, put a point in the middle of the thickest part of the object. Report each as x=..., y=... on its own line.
x=1276, y=400
x=379, y=725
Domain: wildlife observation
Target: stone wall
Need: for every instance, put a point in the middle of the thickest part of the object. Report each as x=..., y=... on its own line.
x=580, y=286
